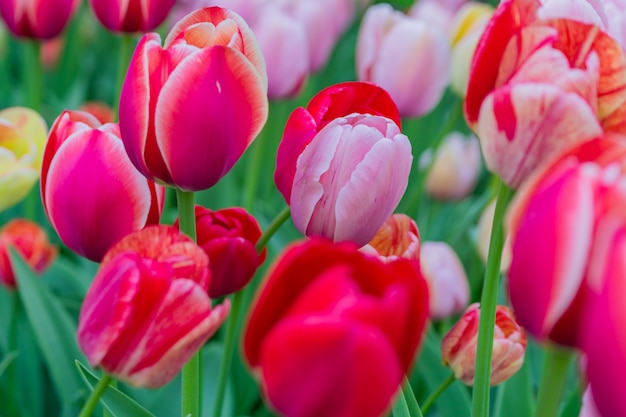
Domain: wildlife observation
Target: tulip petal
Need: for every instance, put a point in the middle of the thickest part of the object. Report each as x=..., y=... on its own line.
x=111, y=13
x=233, y=262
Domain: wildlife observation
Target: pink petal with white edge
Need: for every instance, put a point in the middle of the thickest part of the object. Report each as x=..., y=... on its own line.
x=523, y=126
x=49, y=18
x=92, y=220
x=209, y=111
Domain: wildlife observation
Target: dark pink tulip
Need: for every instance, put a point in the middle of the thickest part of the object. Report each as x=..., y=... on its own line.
x=537, y=87
x=228, y=237
x=41, y=19
x=190, y=109
x=333, y=330
x=562, y=228
x=91, y=192
x=131, y=15
x=147, y=311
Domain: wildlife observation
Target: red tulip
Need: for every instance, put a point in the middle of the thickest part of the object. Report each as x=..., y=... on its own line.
x=131, y=15
x=147, y=311
x=228, y=237
x=538, y=87
x=43, y=19
x=90, y=190
x=190, y=109
x=30, y=241
x=334, y=330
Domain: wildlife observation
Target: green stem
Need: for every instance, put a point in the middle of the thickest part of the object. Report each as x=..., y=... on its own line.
x=33, y=73
x=191, y=379
x=93, y=399
x=480, y=397
x=280, y=219
x=12, y=345
x=436, y=393
x=253, y=173
x=553, y=378
x=125, y=53
x=409, y=397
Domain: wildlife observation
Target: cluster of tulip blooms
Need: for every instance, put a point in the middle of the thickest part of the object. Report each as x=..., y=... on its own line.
x=336, y=323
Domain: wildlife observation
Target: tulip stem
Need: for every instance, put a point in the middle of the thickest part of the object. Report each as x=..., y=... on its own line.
x=553, y=378
x=125, y=53
x=33, y=73
x=436, y=393
x=97, y=392
x=480, y=396
x=281, y=218
x=191, y=379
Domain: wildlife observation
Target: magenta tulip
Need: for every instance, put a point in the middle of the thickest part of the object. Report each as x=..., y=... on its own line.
x=333, y=330
x=190, y=109
x=91, y=192
x=43, y=19
x=131, y=15
x=147, y=311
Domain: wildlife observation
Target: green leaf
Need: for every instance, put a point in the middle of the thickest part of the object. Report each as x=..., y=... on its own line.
x=516, y=397
x=8, y=359
x=115, y=401
x=54, y=329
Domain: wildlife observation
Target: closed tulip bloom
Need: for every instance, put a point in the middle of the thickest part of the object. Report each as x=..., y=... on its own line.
x=22, y=138
x=407, y=57
x=539, y=87
x=43, y=19
x=131, y=15
x=228, y=237
x=343, y=164
x=458, y=347
x=147, y=311
x=333, y=330
x=398, y=237
x=30, y=242
x=91, y=192
x=190, y=109
x=563, y=225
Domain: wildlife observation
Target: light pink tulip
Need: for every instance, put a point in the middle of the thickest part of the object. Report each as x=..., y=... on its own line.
x=42, y=19
x=407, y=57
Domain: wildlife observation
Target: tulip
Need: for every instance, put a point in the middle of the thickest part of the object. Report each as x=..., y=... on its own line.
x=588, y=408
x=43, y=19
x=333, y=330
x=458, y=347
x=562, y=225
x=22, y=138
x=397, y=238
x=228, y=237
x=447, y=282
x=147, y=311
x=29, y=241
x=343, y=164
x=131, y=15
x=407, y=57
x=190, y=109
x=456, y=167
x=101, y=111
x=539, y=87
x=90, y=190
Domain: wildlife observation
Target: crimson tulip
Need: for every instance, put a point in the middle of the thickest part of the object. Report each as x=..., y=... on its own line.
x=333, y=330
x=131, y=15
x=190, y=109
x=147, y=311
x=90, y=190
x=43, y=19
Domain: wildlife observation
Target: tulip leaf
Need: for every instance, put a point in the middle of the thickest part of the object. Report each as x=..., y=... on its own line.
x=515, y=398
x=8, y=359
x=116, y=402
x=54, y=329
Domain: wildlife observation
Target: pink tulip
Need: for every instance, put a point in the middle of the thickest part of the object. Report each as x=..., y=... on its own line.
x=190, y=109
x=90, y=190
x=407, y=57
x=334, y=330
x=42, y=19
x=147, y=311
x=30, y=242
x=397, y=238
x=343, y=164
x=538, y=87
x=588, y=408
x=563, y=225
x=458, y=347
x=131, y=15
x=228, y=237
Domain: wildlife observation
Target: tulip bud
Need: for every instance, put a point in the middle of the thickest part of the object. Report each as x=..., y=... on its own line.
x=398, y=237
x=30, y=241
x=43, y=19
x=455, y=170
x=22, y=138
x=458, y=347
x=101, y=111
x=131, y=15
x=447, y=282
x=147, y=311
x=228, y=237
